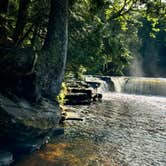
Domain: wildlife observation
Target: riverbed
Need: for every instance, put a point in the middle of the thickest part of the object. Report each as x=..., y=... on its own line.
x=122, y=130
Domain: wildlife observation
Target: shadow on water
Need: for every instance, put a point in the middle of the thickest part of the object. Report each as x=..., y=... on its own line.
x=122, y=130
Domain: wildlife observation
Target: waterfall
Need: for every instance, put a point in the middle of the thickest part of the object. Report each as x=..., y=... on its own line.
x=130, y=85
x=118, y=83
x=146, y=86
x=103, y=84
x=104, y=87
x=140, y=85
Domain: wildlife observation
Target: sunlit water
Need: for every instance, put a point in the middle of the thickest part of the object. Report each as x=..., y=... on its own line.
x=123, y=130
x=140, y=85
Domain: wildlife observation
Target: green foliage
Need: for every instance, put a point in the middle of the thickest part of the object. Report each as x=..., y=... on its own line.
x=104, y=35
x=63, y=92
x=153, y=47
x=81, y=71
x=105, y=39
x=96, y=41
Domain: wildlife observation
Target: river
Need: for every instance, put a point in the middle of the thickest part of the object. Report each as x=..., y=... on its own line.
x=122, y=130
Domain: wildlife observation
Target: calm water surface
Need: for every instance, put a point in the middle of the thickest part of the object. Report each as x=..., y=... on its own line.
x=123, y=130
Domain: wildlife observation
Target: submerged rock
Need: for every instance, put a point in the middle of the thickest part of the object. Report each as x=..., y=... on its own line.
x=6, y=158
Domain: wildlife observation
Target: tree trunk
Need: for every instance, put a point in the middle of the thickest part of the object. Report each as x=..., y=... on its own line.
x=21, y=20
x=4, y=6
x=28, y=73
x=17, y=73
x=52, y=59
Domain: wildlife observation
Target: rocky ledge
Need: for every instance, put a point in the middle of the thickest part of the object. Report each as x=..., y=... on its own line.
x=25, y=127
x=82, y=92
x=6, y=158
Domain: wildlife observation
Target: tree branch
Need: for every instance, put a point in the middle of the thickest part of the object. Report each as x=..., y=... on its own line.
x=122, y=11
x=20, y=41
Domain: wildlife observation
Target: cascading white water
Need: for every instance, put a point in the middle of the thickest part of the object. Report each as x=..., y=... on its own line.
x=140, y=85
x=131, y=85
x=103, y=85
x=118, y=83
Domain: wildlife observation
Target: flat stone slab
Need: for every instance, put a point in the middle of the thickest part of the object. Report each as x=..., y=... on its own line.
x=77, y=98
x=73, y=116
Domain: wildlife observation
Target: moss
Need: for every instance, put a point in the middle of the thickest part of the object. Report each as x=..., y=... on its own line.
x=63, y=92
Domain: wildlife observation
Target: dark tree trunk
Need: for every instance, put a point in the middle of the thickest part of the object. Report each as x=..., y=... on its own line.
x=21, y=20
x=4, y=6
x=28, y=73
x=17, y=73
x=15, y=62
x=54, y=52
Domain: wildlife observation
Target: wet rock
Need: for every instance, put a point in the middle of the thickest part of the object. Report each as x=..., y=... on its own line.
x=73, y=83
x=73, y=116
x=82, y=93
x=105, y=78
x=25, y=127
x=97, y=97
x=57, y=131
x=6, y=158
x=93, y=84
x=81, y=90
x=31, y=145
x=70, y=116
x=77, y=99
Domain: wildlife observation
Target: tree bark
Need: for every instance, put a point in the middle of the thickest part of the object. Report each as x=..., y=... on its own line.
x=15, y=62
x=52, y=59
x=30, y=74
x=21, y=20
x=4, y=6
x=17, y=73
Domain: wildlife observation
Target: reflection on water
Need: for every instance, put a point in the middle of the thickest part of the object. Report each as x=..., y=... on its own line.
x=66, y=153
x=122, y=130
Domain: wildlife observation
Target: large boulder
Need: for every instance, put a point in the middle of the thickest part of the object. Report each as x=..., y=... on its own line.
x=6, y=158
x=25, y=127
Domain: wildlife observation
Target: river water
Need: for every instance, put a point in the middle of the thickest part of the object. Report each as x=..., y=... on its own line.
x=122, y=130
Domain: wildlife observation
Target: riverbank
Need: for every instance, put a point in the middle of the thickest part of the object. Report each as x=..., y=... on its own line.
x=25, y=127
x=122, y=130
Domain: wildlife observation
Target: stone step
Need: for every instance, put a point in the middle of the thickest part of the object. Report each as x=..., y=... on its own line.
x=81, y=90
x=77, y=98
